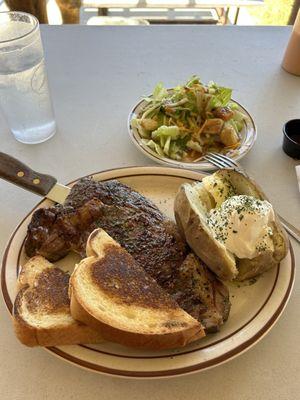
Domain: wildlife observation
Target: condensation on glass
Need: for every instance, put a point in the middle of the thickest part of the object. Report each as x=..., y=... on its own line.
x=24, y=92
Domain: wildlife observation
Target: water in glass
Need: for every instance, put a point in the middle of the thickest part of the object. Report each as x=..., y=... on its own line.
x=24, y=93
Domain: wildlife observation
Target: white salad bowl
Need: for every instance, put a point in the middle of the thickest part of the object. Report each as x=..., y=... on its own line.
x=248, y=136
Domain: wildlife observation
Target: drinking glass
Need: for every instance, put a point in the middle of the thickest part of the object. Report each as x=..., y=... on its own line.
x=24, y=92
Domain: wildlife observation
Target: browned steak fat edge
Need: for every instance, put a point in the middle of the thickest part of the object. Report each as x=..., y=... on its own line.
x=138, y=225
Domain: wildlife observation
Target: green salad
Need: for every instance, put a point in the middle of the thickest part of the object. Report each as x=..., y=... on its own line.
x=189, y=121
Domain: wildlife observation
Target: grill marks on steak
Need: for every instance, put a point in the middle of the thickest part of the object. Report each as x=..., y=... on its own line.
x=139, y=227
x=157, y=247
x=200, y=293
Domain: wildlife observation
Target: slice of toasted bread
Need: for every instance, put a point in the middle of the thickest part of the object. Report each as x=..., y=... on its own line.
x=110, y=291
x=41, y=313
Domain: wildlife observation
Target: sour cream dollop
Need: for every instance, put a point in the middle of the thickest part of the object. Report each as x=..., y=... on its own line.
x=242, y=225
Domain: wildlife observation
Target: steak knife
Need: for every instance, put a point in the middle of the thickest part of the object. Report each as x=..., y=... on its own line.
x=14, y=171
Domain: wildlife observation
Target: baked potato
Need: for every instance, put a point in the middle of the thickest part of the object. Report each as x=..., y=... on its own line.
x=228, y=223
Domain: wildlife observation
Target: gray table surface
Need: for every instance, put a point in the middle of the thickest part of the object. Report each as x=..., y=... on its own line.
x=96, y=74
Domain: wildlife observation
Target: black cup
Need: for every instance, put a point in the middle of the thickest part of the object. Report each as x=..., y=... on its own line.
x=291, y=138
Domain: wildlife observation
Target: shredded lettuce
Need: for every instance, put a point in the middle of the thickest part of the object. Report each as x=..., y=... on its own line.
x=238, y=116
x=171, y=131
x=159, y=150
x=173, y=121
x=233, y=106
x=149, y=143
x=135, y=123
x=175, y=151
x=194, y=79
x=221, y=97
x=159, y=92
x=167, y=145
x=191, y=144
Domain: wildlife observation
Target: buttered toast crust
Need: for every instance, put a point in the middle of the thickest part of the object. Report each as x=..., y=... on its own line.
x=49, y=293
x=111, y=292
x=120, y=277
x=41, y=312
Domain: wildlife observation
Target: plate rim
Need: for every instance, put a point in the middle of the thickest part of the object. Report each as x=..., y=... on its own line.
x=200, y=166
x=204, y=365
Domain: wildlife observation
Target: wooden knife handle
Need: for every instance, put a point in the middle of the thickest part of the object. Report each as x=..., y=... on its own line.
x=16, y=172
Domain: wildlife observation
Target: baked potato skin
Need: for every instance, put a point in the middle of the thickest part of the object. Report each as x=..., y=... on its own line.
x=193, y=228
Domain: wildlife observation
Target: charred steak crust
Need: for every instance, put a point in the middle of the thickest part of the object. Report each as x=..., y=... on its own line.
x=43, y=234
x=138, y=225
x=200, y=293
x=113, y=193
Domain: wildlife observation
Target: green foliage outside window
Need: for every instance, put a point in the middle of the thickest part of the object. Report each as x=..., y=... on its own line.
x=273, y=12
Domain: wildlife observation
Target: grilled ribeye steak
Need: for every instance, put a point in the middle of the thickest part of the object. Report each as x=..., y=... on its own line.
x=200, y=293
x=138, y=225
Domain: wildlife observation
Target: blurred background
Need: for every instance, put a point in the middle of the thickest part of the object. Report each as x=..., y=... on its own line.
x=143, y=12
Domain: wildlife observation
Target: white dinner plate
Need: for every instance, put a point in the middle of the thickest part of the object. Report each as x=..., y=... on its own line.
x=255, y=308
x=248, y=136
